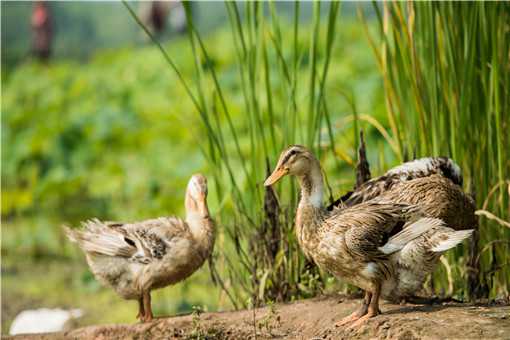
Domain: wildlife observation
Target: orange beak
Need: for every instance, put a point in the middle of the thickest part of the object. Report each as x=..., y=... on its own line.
x=275, y=176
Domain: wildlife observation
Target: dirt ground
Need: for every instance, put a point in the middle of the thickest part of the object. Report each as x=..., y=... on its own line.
x=314, y=319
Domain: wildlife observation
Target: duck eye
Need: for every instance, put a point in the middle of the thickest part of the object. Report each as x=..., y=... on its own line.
x=293, y=152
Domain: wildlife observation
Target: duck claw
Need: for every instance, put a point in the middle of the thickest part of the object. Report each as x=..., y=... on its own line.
x=361, y=321
x=347, y=319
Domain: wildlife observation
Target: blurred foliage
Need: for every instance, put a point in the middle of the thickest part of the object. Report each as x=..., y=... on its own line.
x=79, y=29
x=82, y=28
x=115, y=137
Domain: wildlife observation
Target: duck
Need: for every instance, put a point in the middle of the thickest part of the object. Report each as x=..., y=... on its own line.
x=435, y=185
x=369, y=244
x=139, y=257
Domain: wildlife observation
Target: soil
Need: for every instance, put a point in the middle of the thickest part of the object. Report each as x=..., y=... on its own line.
x=314, y=319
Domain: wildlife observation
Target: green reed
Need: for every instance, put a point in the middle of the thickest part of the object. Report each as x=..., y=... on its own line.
x=445, y=69
x=265, y=262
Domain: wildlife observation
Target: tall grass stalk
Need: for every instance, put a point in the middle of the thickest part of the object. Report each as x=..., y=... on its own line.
x=446, y=69
x=265, y=262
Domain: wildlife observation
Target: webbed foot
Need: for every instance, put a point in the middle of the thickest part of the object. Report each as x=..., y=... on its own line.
x=362, y=320
x=348, y=319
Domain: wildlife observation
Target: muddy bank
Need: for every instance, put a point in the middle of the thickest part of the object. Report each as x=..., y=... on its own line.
x=314, y=319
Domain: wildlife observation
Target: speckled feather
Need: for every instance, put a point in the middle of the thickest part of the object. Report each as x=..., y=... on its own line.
x=347, y=242
x=393, y=178
x=437, y=197
x=143, y=241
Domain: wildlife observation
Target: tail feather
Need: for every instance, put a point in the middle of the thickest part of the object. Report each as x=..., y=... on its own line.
x=409, y=233
x=96, y=238
x=454, y=238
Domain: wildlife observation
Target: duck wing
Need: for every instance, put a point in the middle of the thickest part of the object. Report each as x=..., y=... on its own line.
x=141, y=242
x=418, y=168
x=374, y=230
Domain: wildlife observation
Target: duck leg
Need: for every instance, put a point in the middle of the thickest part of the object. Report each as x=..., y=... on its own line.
x=358, y=313
x=141, y=312
x=373, y=308
x=147, y=307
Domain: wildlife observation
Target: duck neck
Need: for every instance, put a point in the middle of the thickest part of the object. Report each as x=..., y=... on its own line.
x=312, y=187
x=202, y=228
x=309, y=214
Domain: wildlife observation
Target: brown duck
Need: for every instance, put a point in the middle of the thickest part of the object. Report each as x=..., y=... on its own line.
x=136, y=258
x=374, y=244
x=434, y=185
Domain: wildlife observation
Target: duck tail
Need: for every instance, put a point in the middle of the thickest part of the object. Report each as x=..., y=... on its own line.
x=453, y=238
x=409, y=233
x=99, y=239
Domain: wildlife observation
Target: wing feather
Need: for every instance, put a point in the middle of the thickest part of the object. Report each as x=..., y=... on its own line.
x=369, y=225
x=142, y=242
x=419, y=168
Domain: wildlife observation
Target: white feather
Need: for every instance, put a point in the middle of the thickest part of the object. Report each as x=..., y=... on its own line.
x=316, y=198
x=427, y=165
x=196, y=187
x=456, y=169
x=453, y=239
x=421, y=164
x=370, y=269
x=410, y=232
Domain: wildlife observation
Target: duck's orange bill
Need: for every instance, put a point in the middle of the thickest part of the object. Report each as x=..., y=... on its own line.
x=275, y=176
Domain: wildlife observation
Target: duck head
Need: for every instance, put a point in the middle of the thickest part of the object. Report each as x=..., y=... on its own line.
x=296, y=160
x=196, y=196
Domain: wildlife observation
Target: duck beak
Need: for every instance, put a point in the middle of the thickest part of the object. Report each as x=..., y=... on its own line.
x=275, y=176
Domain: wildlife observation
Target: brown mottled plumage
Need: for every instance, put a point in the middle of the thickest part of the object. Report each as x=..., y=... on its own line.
x=421, y=168
x=437, y=197
x=135, y=258
x=369, y=244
